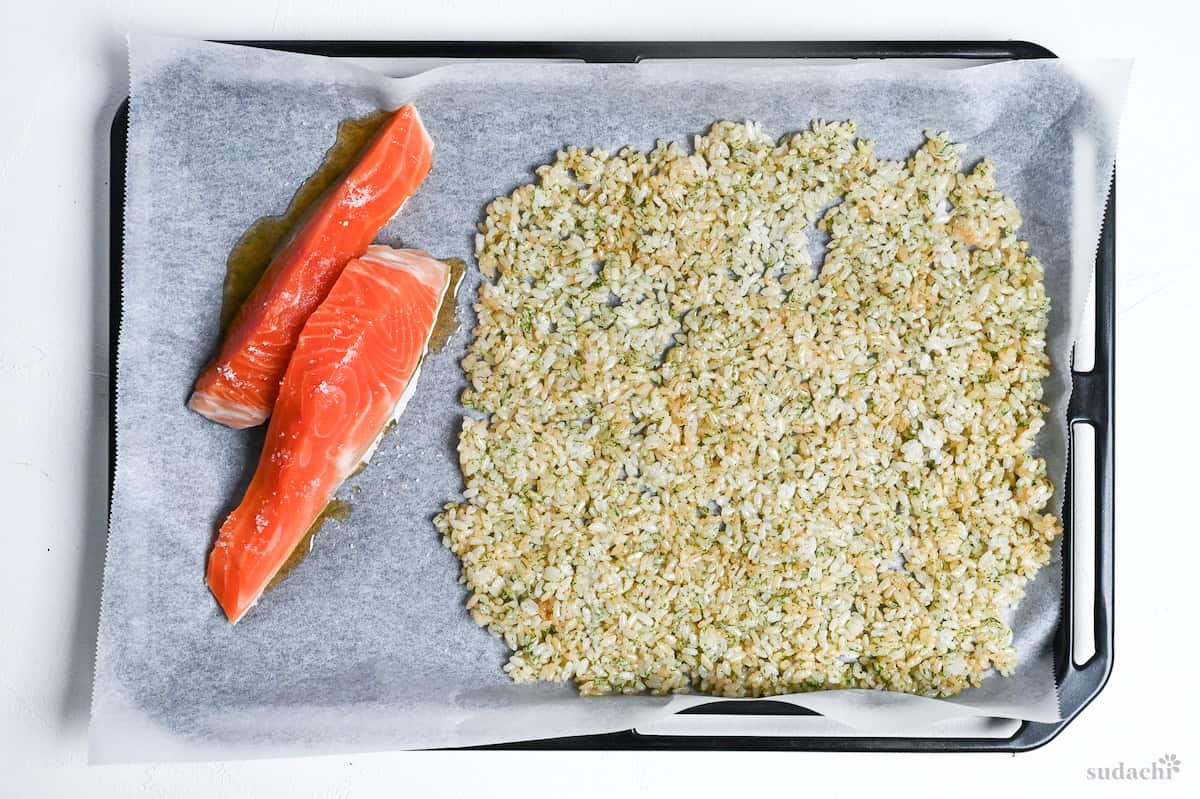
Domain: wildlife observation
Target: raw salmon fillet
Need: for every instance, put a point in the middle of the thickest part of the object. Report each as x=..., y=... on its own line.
x=239, y=386
x=353, y=367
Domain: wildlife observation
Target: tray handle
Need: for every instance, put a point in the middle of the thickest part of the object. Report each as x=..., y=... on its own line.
x=1091, y=403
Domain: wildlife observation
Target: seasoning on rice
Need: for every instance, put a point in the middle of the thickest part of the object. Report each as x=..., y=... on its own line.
x=697, y=466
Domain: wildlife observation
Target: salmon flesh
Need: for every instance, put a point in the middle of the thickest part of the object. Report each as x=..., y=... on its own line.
x=238, y=388
x=353, y=368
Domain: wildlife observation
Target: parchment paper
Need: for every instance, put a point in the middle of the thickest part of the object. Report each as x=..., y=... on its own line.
x=367, y=645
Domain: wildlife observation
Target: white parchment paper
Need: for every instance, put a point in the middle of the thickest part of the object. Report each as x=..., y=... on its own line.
x=367, y=645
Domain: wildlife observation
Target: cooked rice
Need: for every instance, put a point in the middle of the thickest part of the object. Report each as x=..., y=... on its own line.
x=822, y=483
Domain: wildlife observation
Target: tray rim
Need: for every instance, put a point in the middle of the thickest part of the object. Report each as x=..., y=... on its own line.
x=1092, y=399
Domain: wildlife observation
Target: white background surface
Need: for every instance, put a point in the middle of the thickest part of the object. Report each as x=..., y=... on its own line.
x=62, y=74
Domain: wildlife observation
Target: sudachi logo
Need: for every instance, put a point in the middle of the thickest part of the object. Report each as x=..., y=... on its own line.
x=1164, y=768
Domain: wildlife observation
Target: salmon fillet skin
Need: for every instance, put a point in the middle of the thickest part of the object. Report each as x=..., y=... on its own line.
x=239, y=386
x=352, y=371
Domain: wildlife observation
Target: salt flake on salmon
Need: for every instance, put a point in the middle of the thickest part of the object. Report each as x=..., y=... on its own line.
x=354, y=366
x=238, y=388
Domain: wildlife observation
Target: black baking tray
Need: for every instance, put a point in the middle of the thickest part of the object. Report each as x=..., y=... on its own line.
x=1091, y=400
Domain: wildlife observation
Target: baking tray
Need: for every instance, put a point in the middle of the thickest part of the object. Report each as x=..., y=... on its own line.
x=1091, y=403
